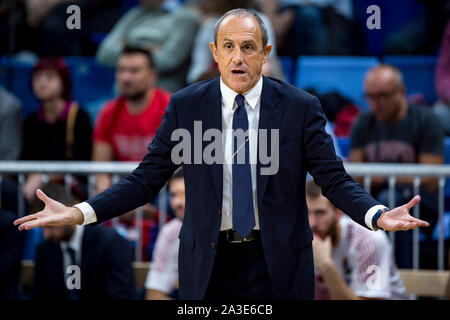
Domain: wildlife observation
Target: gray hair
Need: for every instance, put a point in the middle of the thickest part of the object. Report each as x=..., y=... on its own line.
x=243, y=13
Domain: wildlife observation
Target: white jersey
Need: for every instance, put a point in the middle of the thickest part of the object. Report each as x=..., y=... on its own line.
x=163, y=273
x=365, y=260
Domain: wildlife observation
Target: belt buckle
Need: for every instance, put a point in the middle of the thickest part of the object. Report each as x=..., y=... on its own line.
x=229, y=232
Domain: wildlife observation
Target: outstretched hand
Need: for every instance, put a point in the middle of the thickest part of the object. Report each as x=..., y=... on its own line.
x=400, y=219
x=54, y=214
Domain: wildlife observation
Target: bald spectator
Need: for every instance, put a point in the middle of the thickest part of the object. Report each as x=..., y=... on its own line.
x=394, y=131
x=155, y=25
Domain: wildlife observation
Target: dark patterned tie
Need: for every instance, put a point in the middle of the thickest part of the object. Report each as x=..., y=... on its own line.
x=243, y=211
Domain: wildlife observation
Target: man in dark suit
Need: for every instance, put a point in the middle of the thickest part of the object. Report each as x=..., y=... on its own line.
x=245, y=233
x=82, y=262
x=11, y=251
x=11, y=242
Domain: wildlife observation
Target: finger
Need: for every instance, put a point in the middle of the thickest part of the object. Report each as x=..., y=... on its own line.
x=422, y=223
x=25, y=219
x=405, y=226
x=413, y=224
x=410, y=219
x=414, y=201
x=42, y=222
x=42, y=196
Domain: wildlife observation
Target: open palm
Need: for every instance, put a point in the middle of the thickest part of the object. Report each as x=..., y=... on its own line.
x=54, y=214
x=399, y=218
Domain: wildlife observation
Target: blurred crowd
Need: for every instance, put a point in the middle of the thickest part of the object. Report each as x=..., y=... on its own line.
x=156, y=48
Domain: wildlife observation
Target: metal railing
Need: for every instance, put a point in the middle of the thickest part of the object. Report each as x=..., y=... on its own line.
x=367, y=171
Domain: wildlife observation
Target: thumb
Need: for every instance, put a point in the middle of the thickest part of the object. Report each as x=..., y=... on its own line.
x=42, y=196
x=414, y=201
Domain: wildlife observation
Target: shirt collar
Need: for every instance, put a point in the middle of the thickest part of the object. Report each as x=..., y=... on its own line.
x=62, y=116
x=76, y=240
x=252, y=96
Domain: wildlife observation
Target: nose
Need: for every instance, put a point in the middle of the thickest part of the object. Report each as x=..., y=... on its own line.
x=237, y=58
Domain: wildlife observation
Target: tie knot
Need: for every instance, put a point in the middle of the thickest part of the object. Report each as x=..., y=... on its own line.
x=240, y=100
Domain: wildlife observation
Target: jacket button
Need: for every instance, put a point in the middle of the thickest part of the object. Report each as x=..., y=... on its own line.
x=213, y=245
x=218, y=212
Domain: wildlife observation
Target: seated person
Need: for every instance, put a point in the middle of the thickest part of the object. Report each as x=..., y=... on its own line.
x=442, y=107
x=351, y=262
x=125, y=127
x=80, y=262
x=156, y=26
x=60, y=129
x=163, y=274
x=330, y=26
x=10, y=126
x=11, y=249
x=395, y=131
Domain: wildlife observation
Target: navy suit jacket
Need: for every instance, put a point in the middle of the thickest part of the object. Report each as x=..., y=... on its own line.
x=106, y=268
x=285, y=233
x=12, y=243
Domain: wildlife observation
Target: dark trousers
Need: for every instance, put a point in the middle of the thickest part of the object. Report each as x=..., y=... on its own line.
x=239, y=272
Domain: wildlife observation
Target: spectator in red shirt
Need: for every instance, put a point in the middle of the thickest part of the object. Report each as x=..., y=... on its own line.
x=126, y=125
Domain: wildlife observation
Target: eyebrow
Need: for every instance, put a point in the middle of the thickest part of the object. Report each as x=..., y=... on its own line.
x=243, y=43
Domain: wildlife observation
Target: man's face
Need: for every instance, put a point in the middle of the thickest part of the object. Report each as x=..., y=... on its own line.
x=384, y=95
x=239, y=52
x=322, y=215
x=134, y=75
x=47, y=84
x=177, y=197
x=58, y=234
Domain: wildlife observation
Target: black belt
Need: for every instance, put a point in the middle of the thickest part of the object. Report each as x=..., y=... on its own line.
x=231, y=236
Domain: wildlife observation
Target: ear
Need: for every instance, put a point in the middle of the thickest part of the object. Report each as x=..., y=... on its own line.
x=266, y=52
x=213, y=48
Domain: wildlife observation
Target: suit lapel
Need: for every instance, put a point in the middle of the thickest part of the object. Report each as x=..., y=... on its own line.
x=269, y=118
x=86, y=252
x=213, y=108
x=59, y=272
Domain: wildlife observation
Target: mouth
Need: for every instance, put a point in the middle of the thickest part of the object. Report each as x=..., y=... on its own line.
x=238, y=72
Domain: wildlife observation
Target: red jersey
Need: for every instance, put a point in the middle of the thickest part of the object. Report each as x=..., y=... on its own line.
x=129, y=134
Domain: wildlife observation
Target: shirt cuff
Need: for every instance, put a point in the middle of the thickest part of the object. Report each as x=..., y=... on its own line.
x=88, y=213
x=370, y=213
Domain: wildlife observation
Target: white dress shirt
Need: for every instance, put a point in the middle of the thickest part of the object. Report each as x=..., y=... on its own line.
x=74, y=243
x=252, y=105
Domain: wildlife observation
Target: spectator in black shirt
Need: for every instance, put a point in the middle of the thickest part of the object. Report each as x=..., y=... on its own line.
x=394, y=131
x=60, y=129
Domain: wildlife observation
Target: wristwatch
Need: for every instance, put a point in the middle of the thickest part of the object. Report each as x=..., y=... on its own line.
x=376, y=217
